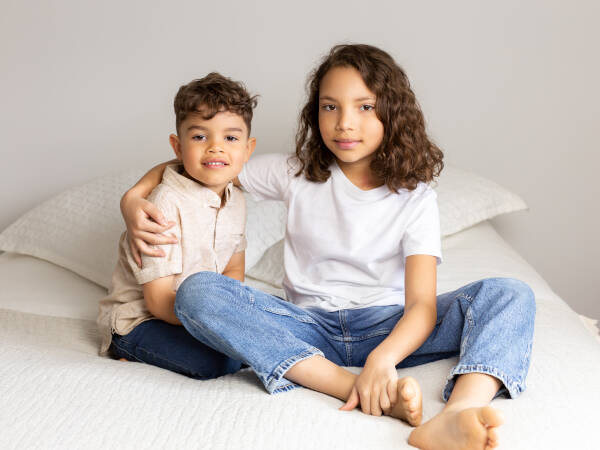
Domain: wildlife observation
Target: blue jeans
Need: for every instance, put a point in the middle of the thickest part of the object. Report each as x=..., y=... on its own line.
x=488, y=324
x=171, y=347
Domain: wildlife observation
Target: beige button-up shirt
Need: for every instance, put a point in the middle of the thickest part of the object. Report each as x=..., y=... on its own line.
x=208, y=235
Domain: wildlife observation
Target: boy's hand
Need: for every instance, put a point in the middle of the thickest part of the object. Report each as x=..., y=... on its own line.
x=375, y=388
x=144, y=223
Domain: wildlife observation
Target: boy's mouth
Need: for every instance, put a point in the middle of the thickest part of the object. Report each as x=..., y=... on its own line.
x=214, y=164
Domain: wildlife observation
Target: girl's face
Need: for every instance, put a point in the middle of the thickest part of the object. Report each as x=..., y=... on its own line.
x=347, y=120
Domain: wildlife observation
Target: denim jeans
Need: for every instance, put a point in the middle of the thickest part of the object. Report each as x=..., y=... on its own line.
x=171, y=347
x=488, y=324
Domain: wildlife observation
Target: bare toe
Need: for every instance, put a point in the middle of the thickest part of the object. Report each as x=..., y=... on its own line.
x=409, y=405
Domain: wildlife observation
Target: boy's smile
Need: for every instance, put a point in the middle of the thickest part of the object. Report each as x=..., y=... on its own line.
x=213, y=151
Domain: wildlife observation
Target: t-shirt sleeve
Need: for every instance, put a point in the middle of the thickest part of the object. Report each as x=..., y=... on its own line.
x=172, y=263
x=422, y=235
x=267, y=177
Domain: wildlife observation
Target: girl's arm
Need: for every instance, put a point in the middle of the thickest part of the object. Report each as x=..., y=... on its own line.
x=375, y=389
x=159, y=297
x=145, y=221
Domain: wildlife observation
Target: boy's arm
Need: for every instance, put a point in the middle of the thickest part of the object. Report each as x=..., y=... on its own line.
x=159, y=297
x=145, y=221
x=236, y=266
x=373, y=388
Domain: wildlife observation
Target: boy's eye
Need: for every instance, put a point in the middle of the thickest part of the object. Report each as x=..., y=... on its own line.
x=328, y=107
x=367, y=108
x=198, y=137
x=231, y=138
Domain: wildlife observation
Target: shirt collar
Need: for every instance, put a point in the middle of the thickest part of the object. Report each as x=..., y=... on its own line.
x=173, y=177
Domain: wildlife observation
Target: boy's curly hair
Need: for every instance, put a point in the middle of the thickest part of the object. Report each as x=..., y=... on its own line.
x=212, y=94
x=406, y=155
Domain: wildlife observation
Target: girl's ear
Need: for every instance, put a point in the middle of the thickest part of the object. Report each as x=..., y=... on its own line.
x=174, y=141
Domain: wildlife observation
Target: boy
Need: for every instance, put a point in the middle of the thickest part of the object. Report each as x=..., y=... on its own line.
x=136, y=320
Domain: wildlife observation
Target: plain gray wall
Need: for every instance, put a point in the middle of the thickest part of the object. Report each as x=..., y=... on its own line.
x=509, y=90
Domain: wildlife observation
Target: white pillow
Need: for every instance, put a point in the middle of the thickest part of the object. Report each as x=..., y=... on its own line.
x=465, y=199
x=79, y=229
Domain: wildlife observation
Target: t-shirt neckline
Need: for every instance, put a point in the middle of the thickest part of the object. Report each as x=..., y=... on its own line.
x=354, y=191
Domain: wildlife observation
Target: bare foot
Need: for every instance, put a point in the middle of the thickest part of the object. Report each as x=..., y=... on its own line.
x=467, y=429
x=122, y=359
x=409, y=406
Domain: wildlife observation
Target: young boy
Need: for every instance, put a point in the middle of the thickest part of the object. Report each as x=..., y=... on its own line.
x=136, y=319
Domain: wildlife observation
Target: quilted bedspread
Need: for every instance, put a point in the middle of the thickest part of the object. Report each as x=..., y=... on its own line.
x=56, y=392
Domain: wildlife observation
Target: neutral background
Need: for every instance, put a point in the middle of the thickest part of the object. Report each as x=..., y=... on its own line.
x=510, y=90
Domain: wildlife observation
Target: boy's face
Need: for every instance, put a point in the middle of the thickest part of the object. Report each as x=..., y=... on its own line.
x=213, y=151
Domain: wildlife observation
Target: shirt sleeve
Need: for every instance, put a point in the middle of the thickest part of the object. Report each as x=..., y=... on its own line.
x=422, y=235
x=172, y=263
x=242, y=245
x=268, y=176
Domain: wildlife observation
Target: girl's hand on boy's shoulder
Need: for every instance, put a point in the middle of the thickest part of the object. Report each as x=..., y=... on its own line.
x=144, y=223
x=375, y=388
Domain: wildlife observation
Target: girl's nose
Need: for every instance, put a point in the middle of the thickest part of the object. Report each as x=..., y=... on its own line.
x=345, y=121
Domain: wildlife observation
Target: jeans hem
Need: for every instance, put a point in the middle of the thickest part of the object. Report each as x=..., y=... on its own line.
x=510, y=387
x=272, y=381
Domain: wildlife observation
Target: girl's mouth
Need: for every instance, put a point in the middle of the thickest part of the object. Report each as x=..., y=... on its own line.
x=346, y=144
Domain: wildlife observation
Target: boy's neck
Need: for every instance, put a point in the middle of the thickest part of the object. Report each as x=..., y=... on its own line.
x=219, y=190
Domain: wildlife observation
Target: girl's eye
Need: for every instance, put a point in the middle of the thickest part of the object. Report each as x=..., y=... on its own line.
x=367, y=108
x=198, y=137
x=231, y=138
x=328, y=107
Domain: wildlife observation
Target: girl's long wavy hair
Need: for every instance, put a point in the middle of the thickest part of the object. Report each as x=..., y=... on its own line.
x=406, y=155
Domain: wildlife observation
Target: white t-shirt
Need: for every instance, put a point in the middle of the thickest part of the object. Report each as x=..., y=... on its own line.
x=345, y=248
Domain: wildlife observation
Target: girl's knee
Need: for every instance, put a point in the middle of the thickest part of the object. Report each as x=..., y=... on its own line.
x=516, y=292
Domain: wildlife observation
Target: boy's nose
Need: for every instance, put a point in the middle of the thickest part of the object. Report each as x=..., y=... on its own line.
x=215, y=149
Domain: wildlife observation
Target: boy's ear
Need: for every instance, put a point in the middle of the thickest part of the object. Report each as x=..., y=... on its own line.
x=174, y=141
x=251, y=147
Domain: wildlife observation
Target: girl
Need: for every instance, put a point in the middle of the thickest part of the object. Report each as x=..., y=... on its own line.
x=361, y=251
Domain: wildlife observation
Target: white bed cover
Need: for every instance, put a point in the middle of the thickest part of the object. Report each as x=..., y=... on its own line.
x=55, y=392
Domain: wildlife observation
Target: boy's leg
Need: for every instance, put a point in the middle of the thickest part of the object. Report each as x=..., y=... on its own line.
x=263, y=331
x=489, y=324
x=171, y=347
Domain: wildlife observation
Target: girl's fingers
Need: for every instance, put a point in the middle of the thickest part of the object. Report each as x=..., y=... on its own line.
x=375, y=407
x=148, y=225
x=392, y=392
x=365, y=401
x=384, y=401
x=155, y=239
x=352, y=401
x=135, y=254
x=147, y=250
x=155, y=214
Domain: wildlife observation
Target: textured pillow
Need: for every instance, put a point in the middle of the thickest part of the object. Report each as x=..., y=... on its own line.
x=465, y=199
x=79, y=229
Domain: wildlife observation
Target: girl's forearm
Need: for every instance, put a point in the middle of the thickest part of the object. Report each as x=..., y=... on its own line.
x=147, y=183
x=411, y=331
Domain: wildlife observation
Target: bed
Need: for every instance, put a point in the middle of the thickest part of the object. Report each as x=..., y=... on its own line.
x=56, y=392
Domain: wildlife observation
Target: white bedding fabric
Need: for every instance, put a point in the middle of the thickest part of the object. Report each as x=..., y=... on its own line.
x=55, y=392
